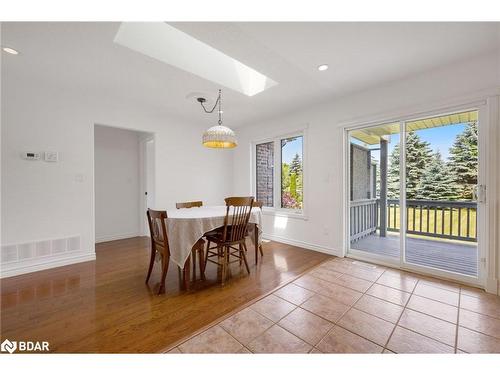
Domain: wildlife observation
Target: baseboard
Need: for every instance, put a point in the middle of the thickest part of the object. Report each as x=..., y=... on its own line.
x=117, y=237
x=305, y=245
x=14, y=269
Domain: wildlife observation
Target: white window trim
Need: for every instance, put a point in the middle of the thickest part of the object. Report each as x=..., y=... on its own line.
x=277, y=210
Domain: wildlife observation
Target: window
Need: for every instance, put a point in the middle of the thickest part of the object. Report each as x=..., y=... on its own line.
x=291, y=173
x=265, y=173
x=279, y=181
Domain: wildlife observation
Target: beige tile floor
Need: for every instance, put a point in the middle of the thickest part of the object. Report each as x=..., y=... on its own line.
x=346, y=306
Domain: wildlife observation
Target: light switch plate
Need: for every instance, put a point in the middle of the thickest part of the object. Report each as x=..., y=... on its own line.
x=51, y=156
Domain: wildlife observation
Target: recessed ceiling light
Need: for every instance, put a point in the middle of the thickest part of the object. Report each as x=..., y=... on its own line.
x=322, y=67
x=12, y=51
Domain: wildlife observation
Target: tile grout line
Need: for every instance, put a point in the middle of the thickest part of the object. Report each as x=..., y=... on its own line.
x=300, y=306
x=349, y=309
x=458, y=319
x=268, y=328
x=276, y=324
x=229, y=333
x=244, y=306
x=433, y=299
x=404, y=307
x=426, y=314
x=365, y=293
x=402, y=312
x=474, y=330
x=272, y=321
x=412, y=309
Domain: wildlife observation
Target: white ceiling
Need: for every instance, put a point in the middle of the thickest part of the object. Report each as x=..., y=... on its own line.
x=360, y=56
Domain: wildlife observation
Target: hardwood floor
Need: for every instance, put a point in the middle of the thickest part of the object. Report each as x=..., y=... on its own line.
x=105, y=306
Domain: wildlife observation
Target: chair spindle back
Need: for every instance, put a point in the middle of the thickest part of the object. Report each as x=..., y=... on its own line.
x=157, y=228
x=237, y=216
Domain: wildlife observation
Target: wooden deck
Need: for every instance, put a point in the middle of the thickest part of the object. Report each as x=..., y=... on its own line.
x=454, y=256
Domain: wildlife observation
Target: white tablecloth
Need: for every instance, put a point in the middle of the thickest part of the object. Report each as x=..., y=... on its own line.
x=186, y=226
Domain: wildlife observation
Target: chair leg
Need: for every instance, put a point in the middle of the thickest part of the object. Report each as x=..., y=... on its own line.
x=187, y=273
x=244, y=257
x=240, y=247
x=206, y=256
x=165, y=262
x=193, y=254
x=261, y=252
x=224, y=264
x=151, y=263
x=202, y=262
x=256, y=242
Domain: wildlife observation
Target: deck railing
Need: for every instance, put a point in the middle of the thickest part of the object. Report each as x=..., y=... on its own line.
x=364, y=218
x=444, y=219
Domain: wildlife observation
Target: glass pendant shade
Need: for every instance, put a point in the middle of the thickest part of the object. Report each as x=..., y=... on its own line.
x=219, y=137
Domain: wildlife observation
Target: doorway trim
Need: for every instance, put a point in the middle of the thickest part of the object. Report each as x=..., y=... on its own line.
x=143, y=163
x=150, y=135
x=488, y=107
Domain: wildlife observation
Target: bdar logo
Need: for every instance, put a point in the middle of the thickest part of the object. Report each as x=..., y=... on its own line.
x=24, y=346
x=8, y=346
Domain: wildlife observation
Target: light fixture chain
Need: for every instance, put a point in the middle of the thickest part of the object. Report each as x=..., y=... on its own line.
x=220, y=107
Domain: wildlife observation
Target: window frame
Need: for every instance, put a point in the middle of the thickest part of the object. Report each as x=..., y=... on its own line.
x=277, y=210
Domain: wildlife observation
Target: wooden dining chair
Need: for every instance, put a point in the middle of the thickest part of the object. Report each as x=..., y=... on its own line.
x=258, y=204
x=188, y=204
x=159, y=244
x=201, y=243
x=230, y=241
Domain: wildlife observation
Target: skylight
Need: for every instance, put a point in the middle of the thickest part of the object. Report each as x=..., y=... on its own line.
x=174, y=47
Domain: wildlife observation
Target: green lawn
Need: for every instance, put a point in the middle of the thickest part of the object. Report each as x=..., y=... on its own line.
x=439, y=221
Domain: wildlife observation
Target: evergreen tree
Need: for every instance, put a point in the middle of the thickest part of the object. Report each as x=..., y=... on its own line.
x=393, y=174
x=464, y=160
x=437, y=183
x=296, y=165
x=418, y=155
x=285, y=177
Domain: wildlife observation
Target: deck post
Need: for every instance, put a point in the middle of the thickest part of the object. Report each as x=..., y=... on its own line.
x=383, y=187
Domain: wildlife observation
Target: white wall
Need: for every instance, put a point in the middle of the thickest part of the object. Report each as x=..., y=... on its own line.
x=116, y=175
x=324, y=195
x=56, y=200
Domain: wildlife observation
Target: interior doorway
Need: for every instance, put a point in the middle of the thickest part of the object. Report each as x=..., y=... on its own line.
x=123, y=170
x=417, y=196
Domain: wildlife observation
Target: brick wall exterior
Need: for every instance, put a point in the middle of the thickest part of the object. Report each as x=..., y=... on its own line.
x=362, y=177
x=265, y=173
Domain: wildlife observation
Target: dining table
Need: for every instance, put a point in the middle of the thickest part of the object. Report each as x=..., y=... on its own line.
x=185, y=226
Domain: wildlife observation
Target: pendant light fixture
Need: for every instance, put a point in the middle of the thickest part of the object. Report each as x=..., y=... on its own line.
x=218, y=136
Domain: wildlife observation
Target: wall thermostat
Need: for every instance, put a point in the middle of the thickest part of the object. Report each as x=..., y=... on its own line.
x=31, y=155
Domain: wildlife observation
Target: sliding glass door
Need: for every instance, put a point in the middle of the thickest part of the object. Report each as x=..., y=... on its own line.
x=415, y=193
x=441, y=169
x=374, y=191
